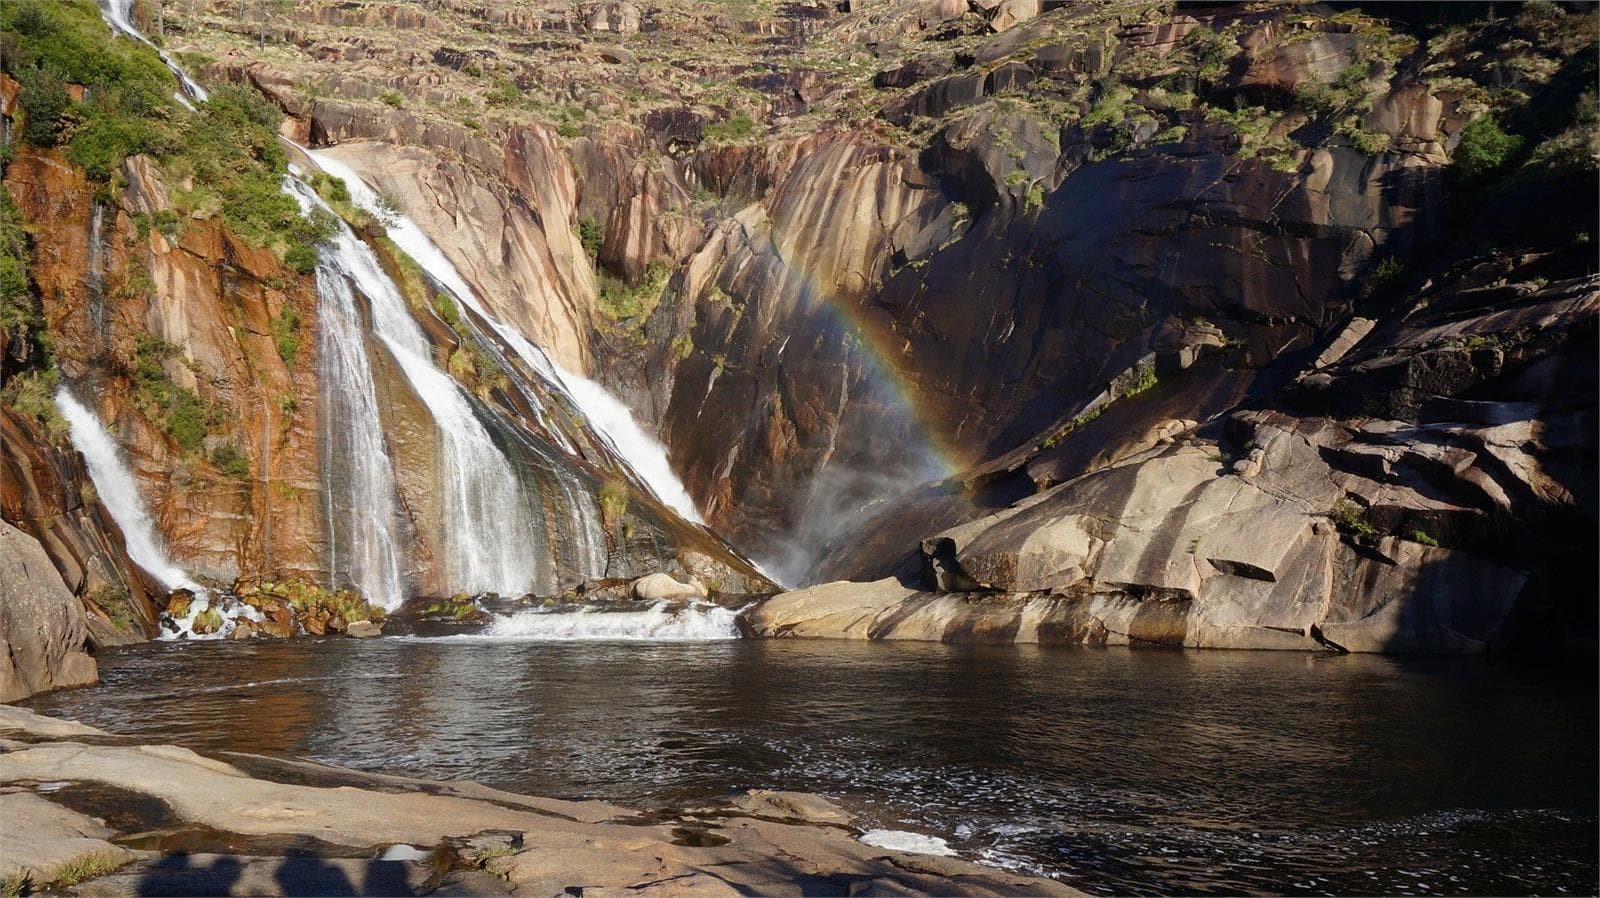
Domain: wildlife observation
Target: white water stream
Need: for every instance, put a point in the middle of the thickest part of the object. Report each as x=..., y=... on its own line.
x=661, y=622
x=118, y=490
x=358, y=482
x=491, y=545
x=609, y=417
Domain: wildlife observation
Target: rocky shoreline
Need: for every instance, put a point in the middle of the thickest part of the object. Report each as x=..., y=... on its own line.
x=91, y=813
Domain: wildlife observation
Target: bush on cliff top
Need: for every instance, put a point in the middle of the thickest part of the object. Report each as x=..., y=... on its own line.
x=226, y=150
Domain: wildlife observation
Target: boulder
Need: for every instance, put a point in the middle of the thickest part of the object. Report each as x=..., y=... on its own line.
x=1010, y=13
x=363, y=629
x=658, y=587
x=275, y=628
x=792, y=806
x=617, y=17
x=42, y=627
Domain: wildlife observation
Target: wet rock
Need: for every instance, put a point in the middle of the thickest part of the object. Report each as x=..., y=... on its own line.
x=207, y=622
x=275, y=628
x=841, y=610
x=792, y=806
x=556, y=847
x=178, y=602
x=362, y=629
x=42, y=627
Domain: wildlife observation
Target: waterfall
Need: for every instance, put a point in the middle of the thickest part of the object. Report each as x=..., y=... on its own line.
x=119, y=492
x=487, y=531
x=608, y=417
x=96, y=276
x=114, y=483
x=119, y=15
x=361, y=554
x=490, y=543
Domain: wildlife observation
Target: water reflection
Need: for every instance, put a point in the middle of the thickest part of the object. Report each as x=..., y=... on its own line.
x=1116, y=770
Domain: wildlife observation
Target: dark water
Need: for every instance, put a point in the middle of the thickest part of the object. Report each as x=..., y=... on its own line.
x=1117, y=771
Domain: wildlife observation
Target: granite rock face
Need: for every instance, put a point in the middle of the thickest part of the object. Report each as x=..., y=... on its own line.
x=42, y=630
x=1420, y=488
x=891, y=303
x=1047, y=193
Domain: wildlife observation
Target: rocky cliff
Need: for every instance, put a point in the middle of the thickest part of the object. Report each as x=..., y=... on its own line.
x=1256, y=325
x=155, y=266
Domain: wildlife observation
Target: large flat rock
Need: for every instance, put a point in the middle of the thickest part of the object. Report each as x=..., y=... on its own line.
x=273, y=834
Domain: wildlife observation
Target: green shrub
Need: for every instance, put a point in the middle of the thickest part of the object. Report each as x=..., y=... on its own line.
x=286, y=334
x=737, y=127
x=389, y=204
x=613, y=498
x=33, y=393
x=445, y=307
x=1351, y=519
x=166, y=221
x=619, y=301
x=104, y=141
x=504, y=93
x=187, y=420
x=330, y=187
x=44, y=99
x=1144, y=377
x=592, y=236
x=1484, y=148
x=230, y=461
x=301, y=258
x=1384, y=273
x=1424, y=537
x=18, y=311
x=177, y=409
x=392, y=98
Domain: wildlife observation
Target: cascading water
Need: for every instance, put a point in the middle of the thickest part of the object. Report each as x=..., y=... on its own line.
x=96, y=276
x=645, y=455
x=489, y=514
x=119, y=15
x=119, y=492
x=358, y=488
x=487, y=531
x=662, y=622
x=114, y=483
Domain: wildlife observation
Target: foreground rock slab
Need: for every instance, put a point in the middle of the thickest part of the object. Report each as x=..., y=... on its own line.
x=263, y=826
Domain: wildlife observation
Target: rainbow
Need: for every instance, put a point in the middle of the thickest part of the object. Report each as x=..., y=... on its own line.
x=879, y=353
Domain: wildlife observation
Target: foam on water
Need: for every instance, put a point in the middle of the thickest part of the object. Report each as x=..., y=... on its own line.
x=661, y=622
x=900, y=840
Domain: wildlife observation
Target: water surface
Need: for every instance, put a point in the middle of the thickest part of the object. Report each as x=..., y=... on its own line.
x=1114, y=770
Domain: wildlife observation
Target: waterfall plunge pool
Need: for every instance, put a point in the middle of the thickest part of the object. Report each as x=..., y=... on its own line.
x=1114, y=770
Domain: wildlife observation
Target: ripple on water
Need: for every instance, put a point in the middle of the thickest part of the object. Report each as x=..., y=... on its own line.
x=1117, y=771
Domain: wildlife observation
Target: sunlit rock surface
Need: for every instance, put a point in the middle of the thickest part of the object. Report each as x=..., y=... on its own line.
x=261, y=817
